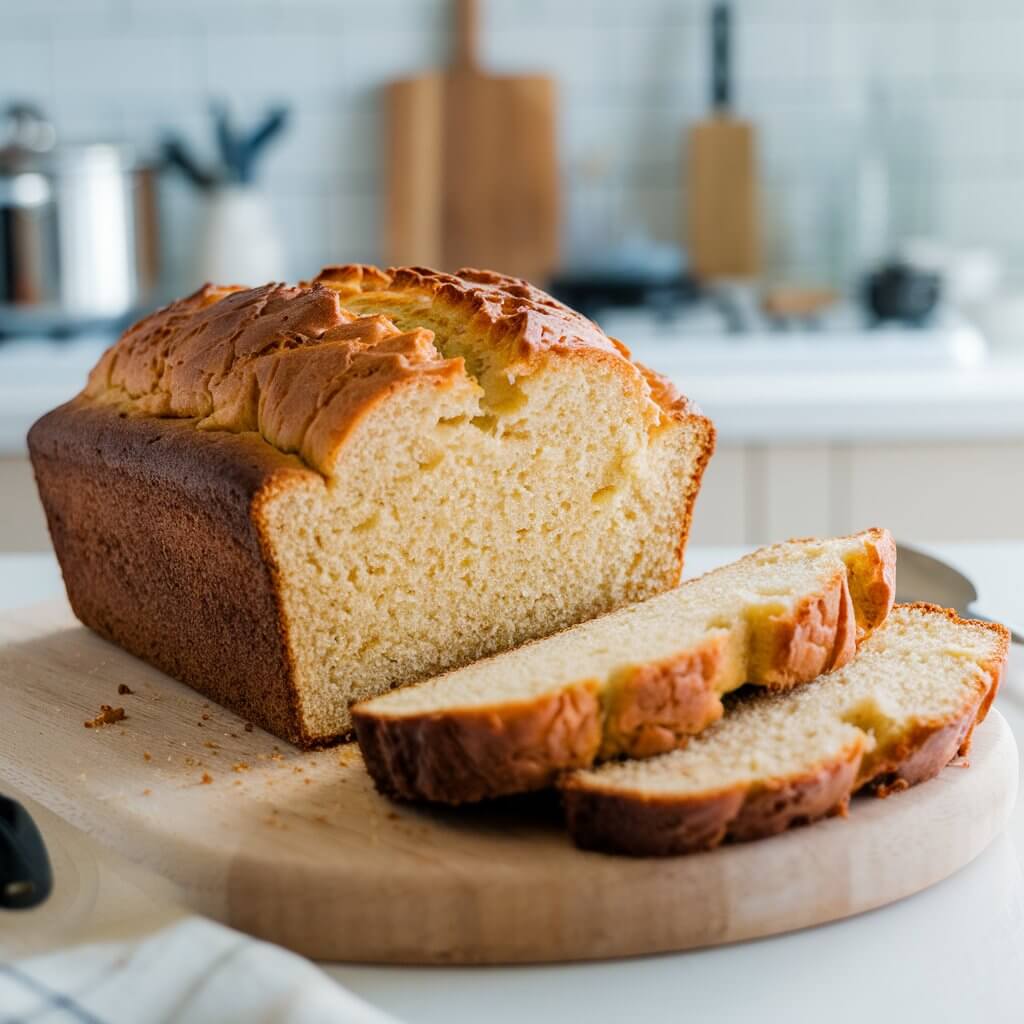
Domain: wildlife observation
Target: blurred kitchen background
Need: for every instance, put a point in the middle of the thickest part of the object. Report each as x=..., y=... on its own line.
x=831, y=263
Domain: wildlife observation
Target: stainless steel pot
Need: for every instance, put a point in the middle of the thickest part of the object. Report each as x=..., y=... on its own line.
x=78, y=230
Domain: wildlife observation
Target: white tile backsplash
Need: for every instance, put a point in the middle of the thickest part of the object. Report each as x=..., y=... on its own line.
x=631, y=77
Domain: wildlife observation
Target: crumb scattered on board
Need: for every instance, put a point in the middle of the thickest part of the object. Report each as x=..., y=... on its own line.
x=107, y=716
x=206, y=779
x=147, y=756
x=241, y=766
x=122, y=689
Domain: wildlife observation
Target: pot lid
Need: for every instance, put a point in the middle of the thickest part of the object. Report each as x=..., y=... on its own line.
x=28, y=143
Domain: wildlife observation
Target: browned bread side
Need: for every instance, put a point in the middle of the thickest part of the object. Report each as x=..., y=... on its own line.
x=156, y=528
x=619, y=810
x=450, y=751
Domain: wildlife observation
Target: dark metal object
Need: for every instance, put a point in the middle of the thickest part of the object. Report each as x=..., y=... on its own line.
x=922, y=577
x=594, y=291
x=26, y=878
x=721, y=58
x=901, y=292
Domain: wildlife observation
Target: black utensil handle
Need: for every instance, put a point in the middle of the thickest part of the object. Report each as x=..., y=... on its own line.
x=26, y=878
x=721, y=57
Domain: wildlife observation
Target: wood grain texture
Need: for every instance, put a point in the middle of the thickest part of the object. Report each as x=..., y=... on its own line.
x=298, y=848
x=473, y=167
x=723, y=229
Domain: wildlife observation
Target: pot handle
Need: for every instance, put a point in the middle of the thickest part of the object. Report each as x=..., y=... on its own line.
x=27, y=129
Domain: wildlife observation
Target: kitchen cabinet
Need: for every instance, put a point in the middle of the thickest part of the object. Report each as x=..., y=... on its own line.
x=930, y=491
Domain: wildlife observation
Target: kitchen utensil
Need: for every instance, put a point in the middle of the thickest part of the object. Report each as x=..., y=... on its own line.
x=26, y=878
x=177, y=154
x=900, y=292
x=472, y=174
x=923, y=577
x=78, y=229
x=237, y=150
x=299, y=848
x=723, y=230
x=237, y=238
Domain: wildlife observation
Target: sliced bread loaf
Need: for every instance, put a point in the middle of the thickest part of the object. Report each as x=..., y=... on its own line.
x=637, y=682
x=293, y=499
x=893, y=717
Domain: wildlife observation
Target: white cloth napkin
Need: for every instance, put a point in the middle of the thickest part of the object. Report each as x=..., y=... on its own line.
x=194, y=971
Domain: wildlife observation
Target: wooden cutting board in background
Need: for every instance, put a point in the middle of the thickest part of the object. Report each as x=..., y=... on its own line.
x=296, y=846
x=472, y=168
x=721, y=189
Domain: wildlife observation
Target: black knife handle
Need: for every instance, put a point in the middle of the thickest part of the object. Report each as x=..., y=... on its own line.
x=26, y=878
x=721, y=57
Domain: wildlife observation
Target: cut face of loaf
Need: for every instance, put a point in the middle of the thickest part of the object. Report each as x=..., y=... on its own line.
x=638, y=682
x=895, y=716
x=297, y=498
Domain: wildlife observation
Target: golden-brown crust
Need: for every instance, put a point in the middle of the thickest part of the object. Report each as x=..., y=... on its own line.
x=659, y=825
x=298, y=367
x=931, y=745
x=151, y=523
x=491, y=751
x=288, y=363
x=819, y=635
x=511, y=313
x=649, y=709
x=876, y=585
x=656, y=707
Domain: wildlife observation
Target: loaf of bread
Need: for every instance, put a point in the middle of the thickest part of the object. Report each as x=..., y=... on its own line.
x=637, y=682
x=294, y=498
x=895, y=716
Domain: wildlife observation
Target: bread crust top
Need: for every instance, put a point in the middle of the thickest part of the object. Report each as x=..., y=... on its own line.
x=299, y=367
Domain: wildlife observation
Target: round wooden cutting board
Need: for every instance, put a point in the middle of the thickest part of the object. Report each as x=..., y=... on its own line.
x=299, y=849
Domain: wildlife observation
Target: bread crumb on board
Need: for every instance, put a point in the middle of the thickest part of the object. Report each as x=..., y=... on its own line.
x=147, y=756
x=241, y=766
x=122, y=689
x=107, y=716
x=206, y=779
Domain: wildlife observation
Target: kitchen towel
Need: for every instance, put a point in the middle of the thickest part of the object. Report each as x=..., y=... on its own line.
x=193, y=971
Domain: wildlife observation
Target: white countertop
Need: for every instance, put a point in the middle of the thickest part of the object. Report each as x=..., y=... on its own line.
x=786, y=390
x=952, y=953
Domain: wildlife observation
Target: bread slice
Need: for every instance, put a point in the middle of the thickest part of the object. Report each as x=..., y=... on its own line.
x=635, y=682
x=293, y=498
x=895, y=716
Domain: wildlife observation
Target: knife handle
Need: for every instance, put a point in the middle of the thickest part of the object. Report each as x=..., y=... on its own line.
x=466, y=27
x=721, y=57
x=26, y=878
